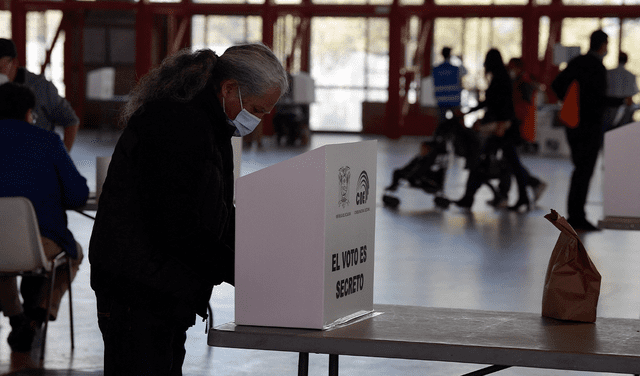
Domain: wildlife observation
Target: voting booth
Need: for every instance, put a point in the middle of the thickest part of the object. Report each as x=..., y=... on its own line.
x=305, y=239
x=621, y=206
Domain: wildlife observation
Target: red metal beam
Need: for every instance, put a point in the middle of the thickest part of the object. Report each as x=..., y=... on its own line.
x=19, y=29
x=422, y=58
x=47, y=58
x=176, y=38
x=393, y=116
x=74, y=75
x=144, y=34
x=302, y=32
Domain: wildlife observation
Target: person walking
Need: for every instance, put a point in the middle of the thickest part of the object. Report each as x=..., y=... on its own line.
x=495, y=124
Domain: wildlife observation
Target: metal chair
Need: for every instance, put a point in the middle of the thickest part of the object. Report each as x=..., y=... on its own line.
x=22, y=254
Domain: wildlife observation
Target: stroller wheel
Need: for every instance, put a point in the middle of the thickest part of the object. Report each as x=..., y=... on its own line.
x=442, y=202
x=390, y=201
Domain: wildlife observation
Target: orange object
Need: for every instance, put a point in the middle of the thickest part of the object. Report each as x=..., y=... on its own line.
x=528, y=124
x=570, y=112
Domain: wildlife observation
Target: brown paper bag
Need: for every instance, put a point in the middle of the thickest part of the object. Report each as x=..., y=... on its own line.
x=572, y=284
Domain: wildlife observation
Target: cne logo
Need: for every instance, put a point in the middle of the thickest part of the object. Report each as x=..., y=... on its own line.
x=344, y=176
x=362, y=189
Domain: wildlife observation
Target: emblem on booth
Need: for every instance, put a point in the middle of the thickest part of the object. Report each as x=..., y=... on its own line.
x=344, y=176
x=362, y=189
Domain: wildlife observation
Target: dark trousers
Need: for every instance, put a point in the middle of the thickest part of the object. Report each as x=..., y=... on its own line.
x=139, y=342
x=522, y=175
x=584, y=154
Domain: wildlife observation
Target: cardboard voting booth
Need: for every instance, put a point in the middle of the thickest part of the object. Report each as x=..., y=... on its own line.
x=305, y=239
x=622, y=173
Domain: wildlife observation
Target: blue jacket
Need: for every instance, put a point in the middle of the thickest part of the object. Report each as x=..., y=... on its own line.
x=446, y=80
x=34, y=163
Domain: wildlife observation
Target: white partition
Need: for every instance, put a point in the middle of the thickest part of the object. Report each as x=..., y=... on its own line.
x=305, y=238
x=622, y=172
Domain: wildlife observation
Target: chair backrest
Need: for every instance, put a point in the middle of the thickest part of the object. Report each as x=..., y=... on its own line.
x=20, y=245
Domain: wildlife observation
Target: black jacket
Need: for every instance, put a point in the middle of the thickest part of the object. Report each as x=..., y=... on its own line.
x=591, y=75
x=498, y=100
x=164, y=230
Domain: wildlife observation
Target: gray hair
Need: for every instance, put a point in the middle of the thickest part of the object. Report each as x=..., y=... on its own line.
x=254, y=67
x=180, y=77
x=184, y=74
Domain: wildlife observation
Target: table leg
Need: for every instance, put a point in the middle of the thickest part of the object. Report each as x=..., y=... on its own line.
x=333, y=364
x=303, y=364
x=486, y=371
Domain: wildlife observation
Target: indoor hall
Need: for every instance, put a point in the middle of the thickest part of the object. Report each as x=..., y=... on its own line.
x=486, y=259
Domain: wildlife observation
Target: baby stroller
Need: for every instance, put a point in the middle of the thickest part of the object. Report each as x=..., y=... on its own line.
x=426, y=171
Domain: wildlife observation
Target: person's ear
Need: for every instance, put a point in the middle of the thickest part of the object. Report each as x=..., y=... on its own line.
x=28, y=117
x=228, y=88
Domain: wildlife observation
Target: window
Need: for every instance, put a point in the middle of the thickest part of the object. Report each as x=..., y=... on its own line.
x=350, y=64
x=41, y=29
x=222, y=32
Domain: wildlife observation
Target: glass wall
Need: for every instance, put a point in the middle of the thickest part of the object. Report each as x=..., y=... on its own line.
x=41, y=29
x=350, y=64
x=5, y=24
x=222, y=32
x=470, y=39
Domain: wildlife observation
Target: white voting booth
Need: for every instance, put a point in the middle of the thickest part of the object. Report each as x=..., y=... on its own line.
x=621, y=205
x=305, y=233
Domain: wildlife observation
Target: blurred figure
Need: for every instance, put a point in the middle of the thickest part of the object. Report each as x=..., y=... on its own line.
x=51, y=109
x=164, y=233
x=447, y=81
x=34, y=164
x=620, y=84
x=585, y=140
x=499, y=112
x=524, y=89
x=418, y=172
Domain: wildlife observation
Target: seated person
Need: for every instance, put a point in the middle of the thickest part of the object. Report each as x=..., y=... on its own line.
x=34, y=164
x=422, y=171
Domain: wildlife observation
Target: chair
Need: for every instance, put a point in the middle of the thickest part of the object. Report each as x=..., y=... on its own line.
x=22, y=254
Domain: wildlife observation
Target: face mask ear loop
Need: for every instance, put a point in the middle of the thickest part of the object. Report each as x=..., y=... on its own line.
x=240, y=96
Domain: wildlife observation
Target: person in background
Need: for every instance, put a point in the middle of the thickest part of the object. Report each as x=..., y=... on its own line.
x=51, y=109
x=621, y=84
x=496, y=122
x=447, y=82
x=164, y=231
x=524, y=90
x=586, y=139
x=34, y=164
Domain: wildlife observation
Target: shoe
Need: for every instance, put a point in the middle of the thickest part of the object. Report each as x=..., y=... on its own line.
x=392, y=188
x=538, y=190
x=499, y=202
x=582, y=225
x=521, y=202
x=464, y=203
x=22, y=333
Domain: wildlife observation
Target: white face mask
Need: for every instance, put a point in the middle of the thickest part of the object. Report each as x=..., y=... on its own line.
x=245, y=122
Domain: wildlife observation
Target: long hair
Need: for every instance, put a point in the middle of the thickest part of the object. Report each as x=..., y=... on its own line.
x=494, y=64
x=180, y=77
x=183, y=75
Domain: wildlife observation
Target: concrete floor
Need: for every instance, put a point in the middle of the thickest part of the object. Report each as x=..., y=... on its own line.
x=485, y=259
